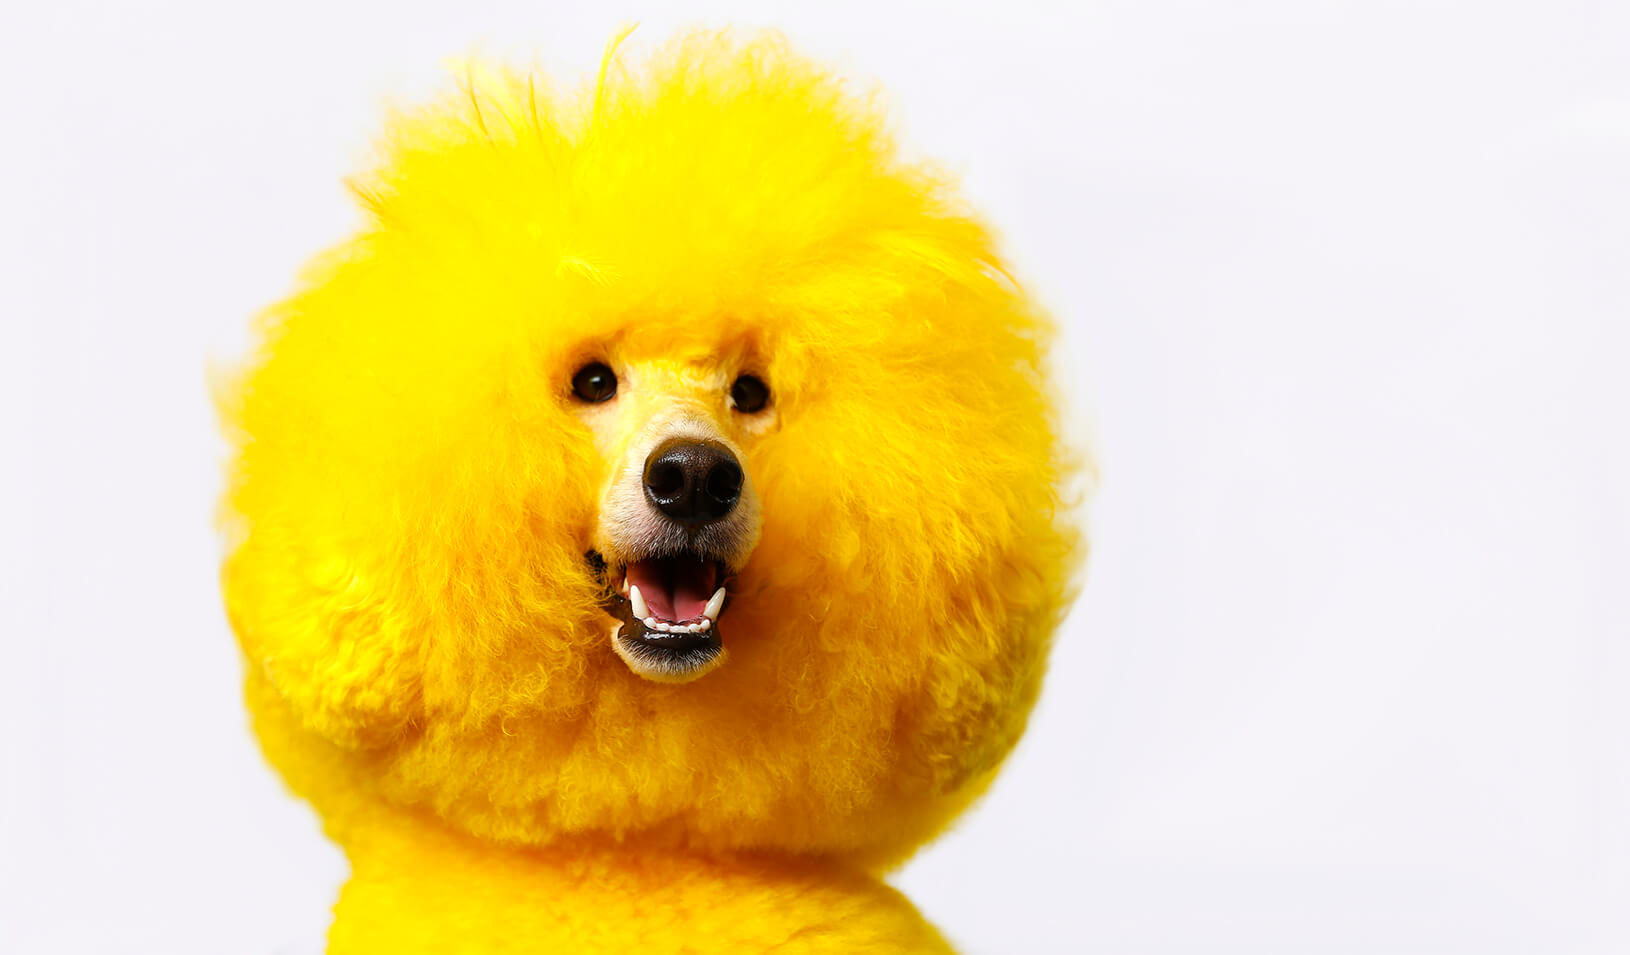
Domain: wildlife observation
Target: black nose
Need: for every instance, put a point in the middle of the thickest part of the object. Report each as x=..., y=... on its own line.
x=693, y=482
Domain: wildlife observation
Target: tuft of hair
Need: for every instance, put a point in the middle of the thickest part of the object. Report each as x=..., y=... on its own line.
x=411, y=496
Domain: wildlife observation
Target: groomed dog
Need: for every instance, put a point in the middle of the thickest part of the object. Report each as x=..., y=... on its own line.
x=646, y=530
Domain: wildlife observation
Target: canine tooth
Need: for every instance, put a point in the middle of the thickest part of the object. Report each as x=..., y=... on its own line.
x=638, y=600
x=714, y=604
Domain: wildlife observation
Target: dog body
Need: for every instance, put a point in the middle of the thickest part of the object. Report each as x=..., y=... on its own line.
x=647, y=531
x=429, y=892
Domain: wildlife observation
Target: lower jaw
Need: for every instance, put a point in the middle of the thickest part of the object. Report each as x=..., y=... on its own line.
x=663, y=655
x=665, y=664
x=666, y=651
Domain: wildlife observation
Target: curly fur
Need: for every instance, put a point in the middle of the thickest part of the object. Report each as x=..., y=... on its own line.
x=412, y=496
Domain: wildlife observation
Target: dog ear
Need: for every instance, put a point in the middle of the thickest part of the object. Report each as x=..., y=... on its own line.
x=328, y=637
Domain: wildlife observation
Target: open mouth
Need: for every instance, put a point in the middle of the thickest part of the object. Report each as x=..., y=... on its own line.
x=668, y=609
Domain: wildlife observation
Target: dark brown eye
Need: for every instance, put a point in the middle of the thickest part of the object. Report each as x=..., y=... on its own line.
x=594, y=383
x=749, y=394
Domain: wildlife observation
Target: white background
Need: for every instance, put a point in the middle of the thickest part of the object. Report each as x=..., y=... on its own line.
x=1344, y=289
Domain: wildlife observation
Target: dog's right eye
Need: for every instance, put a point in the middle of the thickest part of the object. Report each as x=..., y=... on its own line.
x=594, y=383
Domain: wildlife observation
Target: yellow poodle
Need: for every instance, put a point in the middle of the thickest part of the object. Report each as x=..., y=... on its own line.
x=646, y=531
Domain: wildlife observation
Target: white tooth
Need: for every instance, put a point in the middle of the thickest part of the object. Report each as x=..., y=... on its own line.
x=694, y=628
x=705, y=624
x=651, y=622
x=714, y=605
x=635, y=598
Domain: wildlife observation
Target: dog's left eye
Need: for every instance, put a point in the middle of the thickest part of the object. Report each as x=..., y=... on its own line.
x=594, y=383
x=749, y=394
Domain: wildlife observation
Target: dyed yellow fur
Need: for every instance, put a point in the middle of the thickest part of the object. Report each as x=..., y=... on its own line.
x=413, y=493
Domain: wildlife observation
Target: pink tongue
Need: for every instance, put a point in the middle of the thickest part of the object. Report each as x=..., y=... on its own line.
x=675, y=589
x=689, y=597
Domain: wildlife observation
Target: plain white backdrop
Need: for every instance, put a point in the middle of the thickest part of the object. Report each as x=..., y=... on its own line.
x=1345, y=291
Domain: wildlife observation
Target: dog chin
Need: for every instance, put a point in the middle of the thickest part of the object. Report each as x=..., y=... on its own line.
x=660, y=662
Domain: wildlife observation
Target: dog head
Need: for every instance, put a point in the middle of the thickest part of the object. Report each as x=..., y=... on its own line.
x=667, y=460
